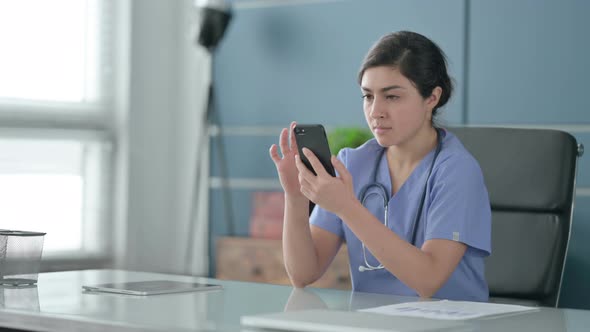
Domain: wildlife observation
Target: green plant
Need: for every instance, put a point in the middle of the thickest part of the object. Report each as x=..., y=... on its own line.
x=347, y=137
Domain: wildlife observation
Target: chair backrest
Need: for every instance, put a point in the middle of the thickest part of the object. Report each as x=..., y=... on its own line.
x=530, y=175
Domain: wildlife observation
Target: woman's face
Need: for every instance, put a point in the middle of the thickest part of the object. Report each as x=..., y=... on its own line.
x=394, y=109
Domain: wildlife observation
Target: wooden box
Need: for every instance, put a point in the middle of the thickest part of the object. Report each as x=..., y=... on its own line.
x=266, y=221
x=261, y=260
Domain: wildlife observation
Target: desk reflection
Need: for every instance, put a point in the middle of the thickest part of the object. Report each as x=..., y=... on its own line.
x=360, y=300
x=316, y=298
x=303, y=299
x=19, y=297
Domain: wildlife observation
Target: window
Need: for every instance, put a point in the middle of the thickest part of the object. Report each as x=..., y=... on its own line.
x=50, y=50
x=56, y=118
x=54, y=186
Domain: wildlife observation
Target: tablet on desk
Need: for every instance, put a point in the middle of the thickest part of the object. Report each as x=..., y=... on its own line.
x=152, y=287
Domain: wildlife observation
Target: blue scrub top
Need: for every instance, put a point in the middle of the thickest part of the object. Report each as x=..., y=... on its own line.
x=456, y=208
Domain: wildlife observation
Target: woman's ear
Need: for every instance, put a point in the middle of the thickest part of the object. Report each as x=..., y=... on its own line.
x=434, y=97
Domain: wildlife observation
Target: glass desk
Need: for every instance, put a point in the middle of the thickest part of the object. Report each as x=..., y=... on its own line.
x=59, y=304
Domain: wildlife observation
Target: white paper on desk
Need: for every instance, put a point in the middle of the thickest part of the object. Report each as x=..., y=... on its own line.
x=450, y=310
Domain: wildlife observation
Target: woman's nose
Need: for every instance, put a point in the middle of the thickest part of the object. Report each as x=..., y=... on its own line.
x=377, y=110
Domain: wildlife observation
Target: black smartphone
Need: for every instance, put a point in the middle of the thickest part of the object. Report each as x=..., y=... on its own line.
x=314, y=137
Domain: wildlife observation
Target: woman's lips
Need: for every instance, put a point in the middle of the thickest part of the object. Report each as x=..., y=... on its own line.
x=381, y=130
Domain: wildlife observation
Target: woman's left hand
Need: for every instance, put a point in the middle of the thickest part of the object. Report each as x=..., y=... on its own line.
x=334, y=194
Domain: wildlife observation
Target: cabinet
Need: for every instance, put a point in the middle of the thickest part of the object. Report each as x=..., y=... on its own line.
x=261, y=260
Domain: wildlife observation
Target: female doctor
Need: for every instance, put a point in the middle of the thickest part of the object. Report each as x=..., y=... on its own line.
x=410, y=204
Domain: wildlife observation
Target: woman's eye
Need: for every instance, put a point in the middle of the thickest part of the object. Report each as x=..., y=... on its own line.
x=367, y=97
x=392, y=97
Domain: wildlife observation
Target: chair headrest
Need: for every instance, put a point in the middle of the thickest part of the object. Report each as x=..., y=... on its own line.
x=524, y=169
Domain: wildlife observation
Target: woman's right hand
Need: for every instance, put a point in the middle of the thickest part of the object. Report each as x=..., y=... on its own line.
x=288, y=173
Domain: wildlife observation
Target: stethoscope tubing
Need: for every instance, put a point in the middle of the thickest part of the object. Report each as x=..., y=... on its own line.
x=383, y=192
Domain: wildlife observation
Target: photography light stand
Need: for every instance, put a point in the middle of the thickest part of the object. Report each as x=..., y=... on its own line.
x=214, y=19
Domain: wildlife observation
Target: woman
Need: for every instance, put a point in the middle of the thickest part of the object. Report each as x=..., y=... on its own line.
x=425, y=225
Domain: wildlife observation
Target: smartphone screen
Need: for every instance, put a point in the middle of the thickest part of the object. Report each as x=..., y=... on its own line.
x=314, y=138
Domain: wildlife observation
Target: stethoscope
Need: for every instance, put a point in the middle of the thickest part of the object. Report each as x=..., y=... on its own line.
x=384, y=194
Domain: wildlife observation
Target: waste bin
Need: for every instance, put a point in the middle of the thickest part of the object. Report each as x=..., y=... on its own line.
x=20, y=257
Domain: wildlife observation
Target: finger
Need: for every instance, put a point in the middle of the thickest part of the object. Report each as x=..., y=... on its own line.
x=305, y=192
x=303, y=170
x=315, y=163
x=274, y=154
x=292, y=134
x=303, y=183
x=306, y=188
x=341, y=169
x=283, y=141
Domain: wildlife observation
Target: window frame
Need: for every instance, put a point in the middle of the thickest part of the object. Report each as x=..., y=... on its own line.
x=98, y=121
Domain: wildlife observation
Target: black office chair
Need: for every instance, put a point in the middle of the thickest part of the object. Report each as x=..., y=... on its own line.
x=530, y=175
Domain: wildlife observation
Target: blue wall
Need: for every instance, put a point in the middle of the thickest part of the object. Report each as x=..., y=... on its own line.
x=515, y=62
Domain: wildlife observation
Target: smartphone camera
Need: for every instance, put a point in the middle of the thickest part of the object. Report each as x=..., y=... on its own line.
x=299, y=131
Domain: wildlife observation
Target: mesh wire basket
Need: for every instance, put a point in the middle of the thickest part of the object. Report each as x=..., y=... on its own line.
x=20, y=257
